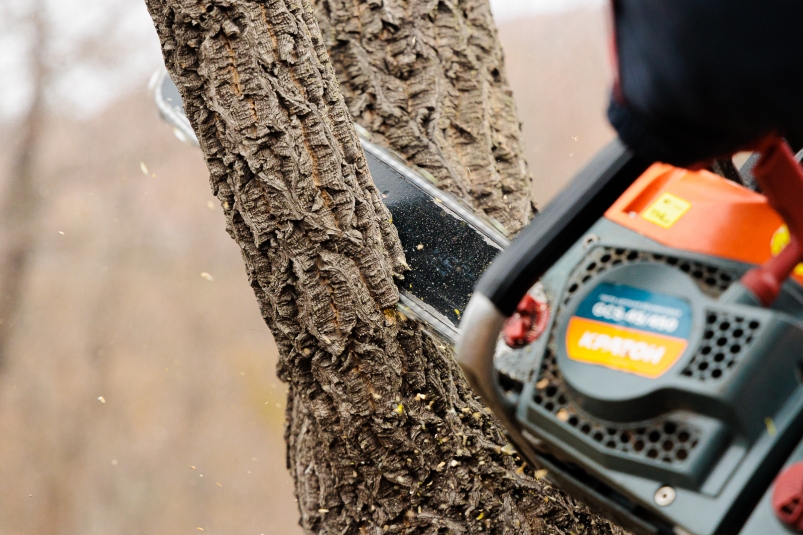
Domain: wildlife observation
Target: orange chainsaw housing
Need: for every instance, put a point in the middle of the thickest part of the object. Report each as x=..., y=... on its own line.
x=709, y=215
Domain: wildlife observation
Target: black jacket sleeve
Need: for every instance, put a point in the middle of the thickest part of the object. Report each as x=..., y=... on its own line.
x=701, y=78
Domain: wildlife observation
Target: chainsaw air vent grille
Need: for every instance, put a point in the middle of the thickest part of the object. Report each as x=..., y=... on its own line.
x=726, y=338
x=661, y=441
x=712, y=280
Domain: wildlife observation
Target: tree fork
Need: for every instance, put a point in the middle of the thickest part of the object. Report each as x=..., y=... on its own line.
x=383, y=433
x=428, y=78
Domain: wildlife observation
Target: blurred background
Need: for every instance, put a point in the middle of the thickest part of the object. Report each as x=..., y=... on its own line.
x=137, y=383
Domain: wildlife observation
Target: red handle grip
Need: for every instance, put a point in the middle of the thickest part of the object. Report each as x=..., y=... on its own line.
x=781, y=180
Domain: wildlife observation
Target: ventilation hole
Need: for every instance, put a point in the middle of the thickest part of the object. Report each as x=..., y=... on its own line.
x=639, y=441
x=668, y=445
x=702, y=366
x=724, y=326
x=708, y=335
x=737, y=333
x=735, y=348
x=705, y=350
x=753, y=325
x=697, y=274
x=683, y=436
x=682, y=454
x=719, y=357
x=721, y=341
x=716, y=374
x=509, y=384
x=711, y=281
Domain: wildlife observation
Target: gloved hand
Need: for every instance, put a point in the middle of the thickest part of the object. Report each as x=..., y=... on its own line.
x=699, y=79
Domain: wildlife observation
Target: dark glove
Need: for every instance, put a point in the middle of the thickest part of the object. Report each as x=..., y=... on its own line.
x=698, y=79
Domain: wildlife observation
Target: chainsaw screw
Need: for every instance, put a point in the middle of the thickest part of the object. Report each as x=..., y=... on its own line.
x=665, y=496
x=589, y=240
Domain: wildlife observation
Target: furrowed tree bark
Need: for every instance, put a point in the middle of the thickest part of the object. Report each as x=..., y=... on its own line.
x=427, y=78
x=384, y=435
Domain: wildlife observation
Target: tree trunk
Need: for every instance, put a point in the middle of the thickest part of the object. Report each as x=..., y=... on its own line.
x=428, y=79
x=19, y=212
x=384, y=435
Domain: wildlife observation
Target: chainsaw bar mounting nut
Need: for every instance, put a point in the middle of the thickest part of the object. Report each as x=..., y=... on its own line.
x=527, y=323
x=665, y=496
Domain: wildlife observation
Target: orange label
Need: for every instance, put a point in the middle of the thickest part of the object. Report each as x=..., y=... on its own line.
x=623, y=349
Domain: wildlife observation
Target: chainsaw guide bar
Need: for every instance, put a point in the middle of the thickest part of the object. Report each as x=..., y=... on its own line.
x=446, y=244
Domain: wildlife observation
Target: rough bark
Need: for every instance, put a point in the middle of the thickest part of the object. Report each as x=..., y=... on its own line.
x=384, y=436
x=427, y=78
x=21, y=203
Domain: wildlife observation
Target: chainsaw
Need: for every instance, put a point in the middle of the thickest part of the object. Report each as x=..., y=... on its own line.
x=659, y=375
x=622, y=339
x=446, y=244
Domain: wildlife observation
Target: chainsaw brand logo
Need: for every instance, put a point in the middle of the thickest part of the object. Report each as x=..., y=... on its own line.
x=629, y=330
x=622, y=347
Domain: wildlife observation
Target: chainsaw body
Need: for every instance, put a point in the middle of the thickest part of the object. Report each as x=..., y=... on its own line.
x=660, y=391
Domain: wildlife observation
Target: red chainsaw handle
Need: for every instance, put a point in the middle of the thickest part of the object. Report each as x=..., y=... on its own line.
x=781, y=181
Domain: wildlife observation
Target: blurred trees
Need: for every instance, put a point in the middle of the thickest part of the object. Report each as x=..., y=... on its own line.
x=63, y=58
x=20, y=205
